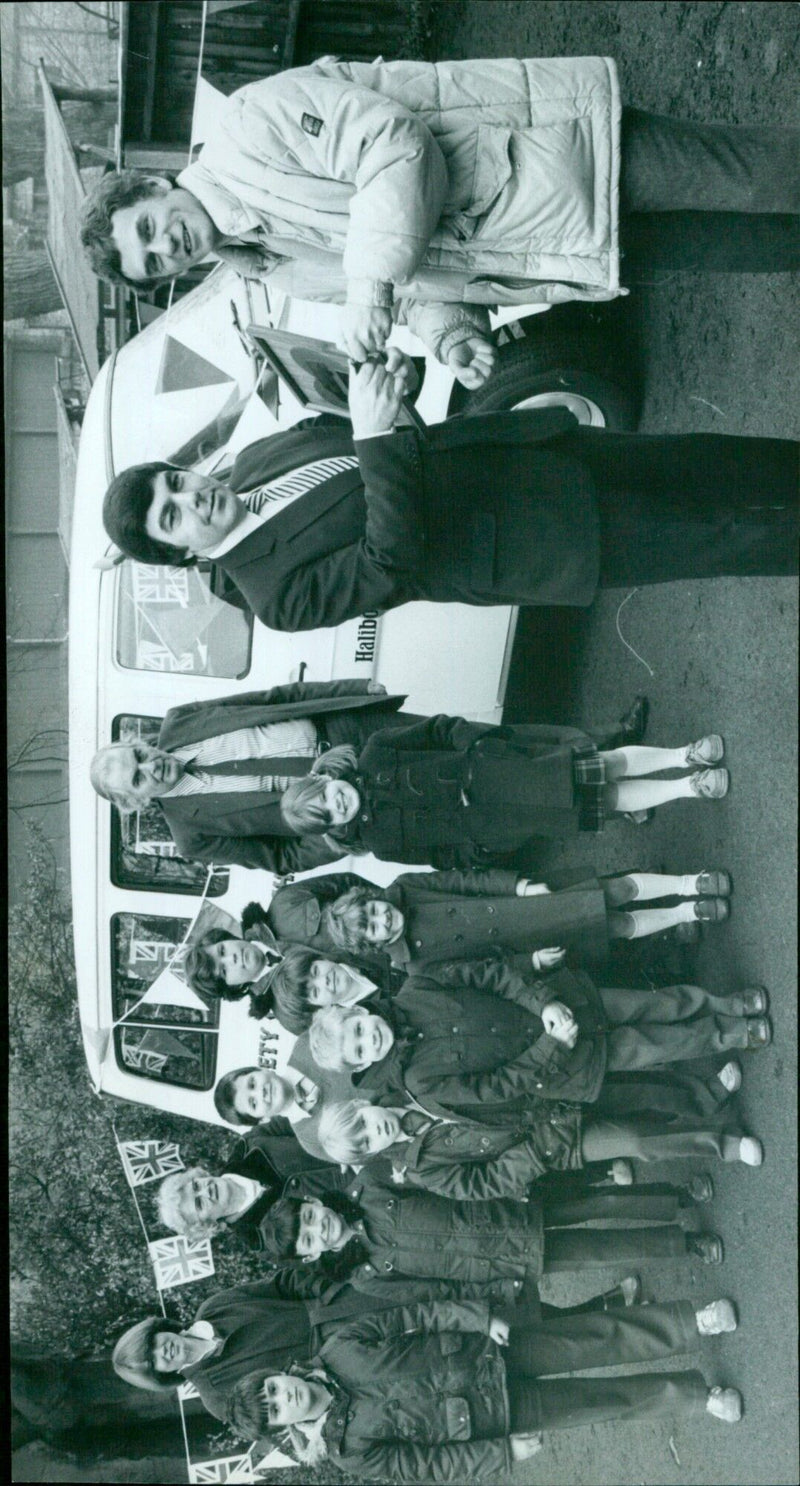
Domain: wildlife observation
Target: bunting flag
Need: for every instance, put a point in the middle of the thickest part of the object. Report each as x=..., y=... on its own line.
x=146, y=1160
x=168, y=990
x=186, y=1391
x=179, y=1260
x=232, y=1469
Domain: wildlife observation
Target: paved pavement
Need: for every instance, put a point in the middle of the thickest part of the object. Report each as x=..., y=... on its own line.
x=720, y=353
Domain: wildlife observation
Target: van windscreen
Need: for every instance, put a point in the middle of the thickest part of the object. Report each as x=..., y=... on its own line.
x=168, y=619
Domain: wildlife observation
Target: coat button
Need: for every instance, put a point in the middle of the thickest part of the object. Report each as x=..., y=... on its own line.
x=484, y=1142
x=493, y=1029
x=448, y=1140
x=390, y=1204
x=365, y=818
x=368, y=1269
x=454, y=1029
x=538, y=1086
x=388, y=1265
x=418, y=944
x=489, y=909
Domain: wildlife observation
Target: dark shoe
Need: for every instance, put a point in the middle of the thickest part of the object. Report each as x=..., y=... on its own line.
x=755, y=1000
x=759, y=1031
x=714, y=884
x=700, y=1188
x=632, y=725
x=711, y=910
x=706, y=1246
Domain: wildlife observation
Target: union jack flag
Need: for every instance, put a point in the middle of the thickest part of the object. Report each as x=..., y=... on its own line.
x=146, y=1160
x=237, y=1468
x=180, y=1260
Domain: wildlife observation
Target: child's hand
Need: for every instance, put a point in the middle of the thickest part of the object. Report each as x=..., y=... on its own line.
x=559, y=1023
x=547, y=959
x=498, y=1331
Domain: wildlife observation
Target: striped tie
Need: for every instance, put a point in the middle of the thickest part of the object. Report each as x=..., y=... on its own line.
x=298, y=482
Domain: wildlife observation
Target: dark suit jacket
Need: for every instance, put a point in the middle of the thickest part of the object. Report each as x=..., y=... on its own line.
x=477, y=512
x=229, y=827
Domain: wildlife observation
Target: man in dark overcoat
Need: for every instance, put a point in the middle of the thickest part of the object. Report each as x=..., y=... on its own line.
x=313, y=529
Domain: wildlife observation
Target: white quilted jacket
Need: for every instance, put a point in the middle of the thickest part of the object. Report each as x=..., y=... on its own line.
x=492, y=181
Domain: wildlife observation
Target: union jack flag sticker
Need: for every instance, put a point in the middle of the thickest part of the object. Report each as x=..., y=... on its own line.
x=180, y=1260
x=146, y=1160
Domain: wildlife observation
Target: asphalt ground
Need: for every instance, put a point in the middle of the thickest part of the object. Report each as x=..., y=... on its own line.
x=718, y=353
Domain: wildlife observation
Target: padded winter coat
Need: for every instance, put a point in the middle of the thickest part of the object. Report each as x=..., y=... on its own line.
x=492, y=181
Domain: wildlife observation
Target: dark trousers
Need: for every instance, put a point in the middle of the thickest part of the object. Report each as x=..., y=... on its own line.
x=568, y=1247
x=648, y=1028
x=712, y=197
x=691, y=505
x=601, y=1339
x=671, y=1094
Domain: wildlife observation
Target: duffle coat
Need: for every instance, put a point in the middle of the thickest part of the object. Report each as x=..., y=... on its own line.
x=457, y=915
x=469, y=1039
x=453, y=793
x=424, y=1398
x=484, y=181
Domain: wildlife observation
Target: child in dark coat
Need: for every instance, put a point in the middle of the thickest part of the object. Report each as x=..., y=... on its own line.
x=468, y=915
x=450, y=793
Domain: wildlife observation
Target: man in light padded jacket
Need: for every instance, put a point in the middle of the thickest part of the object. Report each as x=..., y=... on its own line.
x=422, y=192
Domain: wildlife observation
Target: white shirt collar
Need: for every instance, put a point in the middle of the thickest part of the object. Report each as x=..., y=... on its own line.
x=243, y=528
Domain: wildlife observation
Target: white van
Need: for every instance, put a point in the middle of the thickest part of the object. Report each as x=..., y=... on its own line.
x=143, y=639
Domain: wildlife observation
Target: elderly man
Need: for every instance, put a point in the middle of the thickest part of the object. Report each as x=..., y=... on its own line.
x=423, y=192
x=219, y=767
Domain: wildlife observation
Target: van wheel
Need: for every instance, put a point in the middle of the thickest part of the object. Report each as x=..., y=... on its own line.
x=556, y=367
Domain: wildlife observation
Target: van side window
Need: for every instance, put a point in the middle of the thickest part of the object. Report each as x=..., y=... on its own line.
x=143, y=852
x=168, y=619
x=164, y=1030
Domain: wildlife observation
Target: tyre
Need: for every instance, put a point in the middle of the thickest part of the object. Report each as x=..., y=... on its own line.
x=560, y=362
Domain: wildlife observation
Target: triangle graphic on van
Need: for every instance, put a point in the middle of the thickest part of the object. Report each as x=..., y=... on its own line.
x=182, y=368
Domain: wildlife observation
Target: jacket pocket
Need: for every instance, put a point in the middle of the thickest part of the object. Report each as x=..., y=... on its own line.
x=493, y=168
x=457, y=1418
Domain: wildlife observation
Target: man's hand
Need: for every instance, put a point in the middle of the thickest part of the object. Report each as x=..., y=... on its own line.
x=498, y=1331
x=559, y=1023
x=472, y=361
x=364, y=330
x=535, y=889
x=547, y=959
x=376, y=688
x=523, y=1446
x=377, y=390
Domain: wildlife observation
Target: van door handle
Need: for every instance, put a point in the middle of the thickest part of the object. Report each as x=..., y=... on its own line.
x=299, y=671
